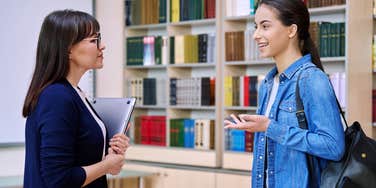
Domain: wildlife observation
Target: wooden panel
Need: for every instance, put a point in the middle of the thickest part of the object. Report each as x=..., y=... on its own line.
x=238, y=161
x=229, y=180
x=172, y=155
x=189, y=179
x=359, y=56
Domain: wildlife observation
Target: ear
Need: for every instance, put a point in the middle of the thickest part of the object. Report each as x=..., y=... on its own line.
x=293, y=30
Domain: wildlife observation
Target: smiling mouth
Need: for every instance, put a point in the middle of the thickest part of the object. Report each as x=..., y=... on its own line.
x=262, y=45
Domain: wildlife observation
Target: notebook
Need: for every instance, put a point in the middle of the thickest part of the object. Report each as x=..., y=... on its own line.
x=115, y=113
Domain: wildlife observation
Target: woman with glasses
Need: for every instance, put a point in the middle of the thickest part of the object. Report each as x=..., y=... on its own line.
x=66, y=142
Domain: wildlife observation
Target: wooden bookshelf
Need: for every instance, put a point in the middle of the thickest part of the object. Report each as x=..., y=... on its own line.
x=110, y=80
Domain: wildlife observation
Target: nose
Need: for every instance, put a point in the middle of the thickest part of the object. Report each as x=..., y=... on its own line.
x=102, y=46
x=256, y=35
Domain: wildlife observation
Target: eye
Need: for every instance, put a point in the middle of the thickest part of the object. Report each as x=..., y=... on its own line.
x=265, y=26
x=93, y=40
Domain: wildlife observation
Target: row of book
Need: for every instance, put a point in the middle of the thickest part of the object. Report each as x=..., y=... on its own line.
x=192, y=133
x=329, y=38
x=183, y=132
x=183, y=10
x=241, y=7
x=149, y=130
x=323, y=3
x=148, y=50
x=192, y=48
x=141, y=12
x=147, y=91
x=338, y=80
x=192, y=91
x=241, y=91
x=153, y=50
x=238, y=140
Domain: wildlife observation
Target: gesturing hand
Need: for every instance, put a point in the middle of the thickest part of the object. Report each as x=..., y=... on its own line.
x=251, y=123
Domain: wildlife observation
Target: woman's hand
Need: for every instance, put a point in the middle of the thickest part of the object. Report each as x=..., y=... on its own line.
x=251, y=123
x=119, y=143
x=114, y=162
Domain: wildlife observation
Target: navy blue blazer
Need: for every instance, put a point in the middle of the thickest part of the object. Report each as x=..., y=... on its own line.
x=61, y=137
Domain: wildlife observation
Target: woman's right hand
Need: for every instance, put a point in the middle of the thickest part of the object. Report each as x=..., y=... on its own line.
x=114, y=162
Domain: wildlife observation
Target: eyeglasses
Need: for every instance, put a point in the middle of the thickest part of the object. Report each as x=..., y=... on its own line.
x=97, y=39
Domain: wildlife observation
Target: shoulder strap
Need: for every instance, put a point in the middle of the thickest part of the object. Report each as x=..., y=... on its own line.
x=300, y=108
x=300, y=115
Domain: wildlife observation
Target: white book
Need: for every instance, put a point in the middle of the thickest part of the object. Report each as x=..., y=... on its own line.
x=241, y=90
x=342, y=89
x=207, y=130
x=229, y=7
x=335, y=80
x=197, y=135
x=211, y=48
x=242, y=7
x=165, y=54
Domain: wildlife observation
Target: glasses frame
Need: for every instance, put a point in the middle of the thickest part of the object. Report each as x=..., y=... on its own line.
x=98, y=40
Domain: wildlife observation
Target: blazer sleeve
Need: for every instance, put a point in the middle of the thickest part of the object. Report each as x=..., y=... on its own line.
x=58, y=132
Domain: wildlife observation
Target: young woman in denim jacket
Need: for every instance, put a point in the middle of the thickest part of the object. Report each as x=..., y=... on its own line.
x=280, y=145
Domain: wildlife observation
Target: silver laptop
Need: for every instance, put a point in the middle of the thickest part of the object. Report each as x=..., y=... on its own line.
x=115, y=113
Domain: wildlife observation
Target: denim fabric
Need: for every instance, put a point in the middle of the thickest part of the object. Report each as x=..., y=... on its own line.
x=287, y=144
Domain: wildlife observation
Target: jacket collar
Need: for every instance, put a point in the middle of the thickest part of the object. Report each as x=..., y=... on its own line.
x=291, y=70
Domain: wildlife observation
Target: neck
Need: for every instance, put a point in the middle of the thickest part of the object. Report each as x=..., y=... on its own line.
x=74, y=77
x=286, y=58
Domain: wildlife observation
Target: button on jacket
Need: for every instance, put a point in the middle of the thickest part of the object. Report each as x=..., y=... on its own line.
x=287, y=144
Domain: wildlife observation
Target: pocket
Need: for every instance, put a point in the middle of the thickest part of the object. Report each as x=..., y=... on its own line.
x=288, y=106
x=287, y=112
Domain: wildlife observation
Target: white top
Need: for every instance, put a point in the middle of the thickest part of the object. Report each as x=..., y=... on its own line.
x=100, y=123
x=273, y=94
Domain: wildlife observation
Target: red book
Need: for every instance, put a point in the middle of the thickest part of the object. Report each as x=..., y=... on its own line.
x=210, y=9
x=246, y=91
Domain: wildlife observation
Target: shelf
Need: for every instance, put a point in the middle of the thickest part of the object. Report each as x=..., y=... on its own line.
x=145, y=66
x=260, y=62
x=180, y=107
x=336, y=9
x=374, y=124
x=150, y=106
x=237, y=160
x=202, y=22
x=248, y=108
x=244, y=18
x=333, y=59
x=172, y=155
x=192, y=65
x=146, y=27
x=263, y=62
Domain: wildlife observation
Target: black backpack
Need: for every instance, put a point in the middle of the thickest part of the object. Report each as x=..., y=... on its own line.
x=356, y=169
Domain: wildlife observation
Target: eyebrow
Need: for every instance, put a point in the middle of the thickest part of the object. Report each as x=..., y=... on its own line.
x=263, y=21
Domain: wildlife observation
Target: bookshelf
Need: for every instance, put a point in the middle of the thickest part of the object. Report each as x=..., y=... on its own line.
x=111, y=80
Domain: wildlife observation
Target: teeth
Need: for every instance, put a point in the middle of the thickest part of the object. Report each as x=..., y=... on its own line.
x=262, y=45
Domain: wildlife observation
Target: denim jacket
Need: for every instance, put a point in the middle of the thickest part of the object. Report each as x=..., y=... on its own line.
x=287, y=144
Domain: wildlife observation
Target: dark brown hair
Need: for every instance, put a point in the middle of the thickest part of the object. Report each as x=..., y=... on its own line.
x=295, y=12
x=60, y=31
